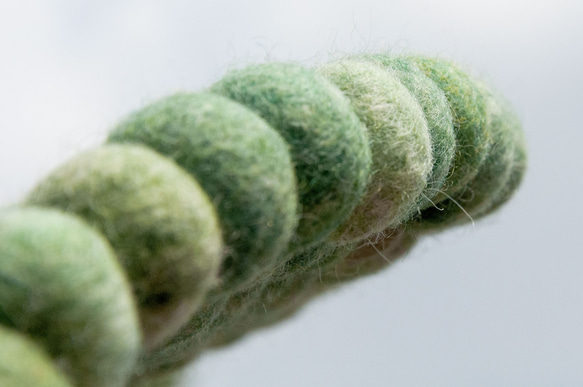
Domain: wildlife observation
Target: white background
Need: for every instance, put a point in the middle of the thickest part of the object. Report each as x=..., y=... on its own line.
x=495, y=305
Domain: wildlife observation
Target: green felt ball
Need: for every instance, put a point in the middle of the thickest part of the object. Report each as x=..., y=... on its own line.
x=328, y=144
x=242, y=164
x=493, y=175
x=157, y=218
x=23, y=363
x=61, y=285
x=517, y=163
x=437, y=114
x=399, y=141
x=468, y=106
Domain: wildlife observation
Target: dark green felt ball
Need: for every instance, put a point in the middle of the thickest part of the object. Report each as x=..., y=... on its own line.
x=494, y=174
x=242, y=164
x=328, y=143
x=468, y=107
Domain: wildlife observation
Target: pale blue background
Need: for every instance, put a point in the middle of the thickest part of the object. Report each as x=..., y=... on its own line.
x=498, y=305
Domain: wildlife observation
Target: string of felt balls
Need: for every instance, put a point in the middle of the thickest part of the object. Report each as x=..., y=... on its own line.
x=206, y=216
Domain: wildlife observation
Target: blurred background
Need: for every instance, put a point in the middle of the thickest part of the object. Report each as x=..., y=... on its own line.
x=500, y=304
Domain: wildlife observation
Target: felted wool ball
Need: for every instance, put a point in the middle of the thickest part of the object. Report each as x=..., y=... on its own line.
x=328, y=144
x=518, y=163
x=493, y=175
x=241, y=163
x=157, y=218
x=62, y=286
x=437, y=114
x=23, y=363
x=400, y=147
x=468, y=106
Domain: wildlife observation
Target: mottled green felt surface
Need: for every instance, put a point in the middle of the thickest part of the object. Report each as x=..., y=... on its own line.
x=61, y=284
x=162, y=225
x=328, y=143
x=240, y=161
x=399, y=141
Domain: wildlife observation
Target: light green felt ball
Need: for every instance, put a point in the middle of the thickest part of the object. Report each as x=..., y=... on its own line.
x=242, y=164
x=23, y=363
x=437, y=114
x=328, y=143
x=157, y=218
x=468, y=106
x=400, y=147
x=61, y=285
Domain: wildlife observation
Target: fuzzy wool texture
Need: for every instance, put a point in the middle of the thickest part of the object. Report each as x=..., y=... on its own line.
x=468, y=106
x=306, y=273
x=271, y=300
x=437, y=114
x=327, y=141
x=368, y=259
x=287, y=290
x=242, y=164
x=492, y=177
x=61, y=284
x=161, y=224
x=208, y=216
x=516, y=139
x=399, y=142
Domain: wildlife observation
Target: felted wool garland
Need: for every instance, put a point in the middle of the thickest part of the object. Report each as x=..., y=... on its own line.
x=207, y=216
